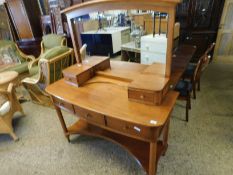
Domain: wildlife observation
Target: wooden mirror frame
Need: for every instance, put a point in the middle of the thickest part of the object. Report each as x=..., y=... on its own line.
x=167, y=6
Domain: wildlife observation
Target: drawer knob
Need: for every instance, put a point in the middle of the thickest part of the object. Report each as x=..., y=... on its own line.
x=142, y=96
x=126, y=127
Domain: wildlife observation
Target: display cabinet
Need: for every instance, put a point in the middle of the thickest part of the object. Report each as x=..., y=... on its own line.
x=199, y=21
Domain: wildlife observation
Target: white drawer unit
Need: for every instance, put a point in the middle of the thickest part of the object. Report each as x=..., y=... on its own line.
x=150, y=58
x=153, y=49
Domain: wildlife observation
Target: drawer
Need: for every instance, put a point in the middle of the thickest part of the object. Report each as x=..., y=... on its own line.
x=129, y=128
x=63, y=105
x=141, y=96
x=90, y=116
x=150, y=58
x=160, y=47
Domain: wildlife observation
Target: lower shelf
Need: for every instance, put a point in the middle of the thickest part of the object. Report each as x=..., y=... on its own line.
x=139, y=149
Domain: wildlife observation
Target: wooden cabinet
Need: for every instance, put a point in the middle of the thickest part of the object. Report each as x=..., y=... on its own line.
x=199, y=21
x=25, y=17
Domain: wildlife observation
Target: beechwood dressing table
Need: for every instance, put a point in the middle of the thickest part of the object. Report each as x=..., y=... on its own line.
x=103, y=103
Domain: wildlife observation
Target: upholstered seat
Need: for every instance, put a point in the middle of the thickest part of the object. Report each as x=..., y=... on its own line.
x=184, y=87
x=48, y=42
x=189, y=72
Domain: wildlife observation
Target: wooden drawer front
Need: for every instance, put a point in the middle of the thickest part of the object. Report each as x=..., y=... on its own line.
x=141, y=96
x=102, y=66
x=90, y=116
x=72, y=80
x=129, y=128
x=63, y=105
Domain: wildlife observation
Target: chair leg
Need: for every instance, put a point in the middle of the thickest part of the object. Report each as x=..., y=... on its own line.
x=199, y=85
x=187, y=107
x=194, y=89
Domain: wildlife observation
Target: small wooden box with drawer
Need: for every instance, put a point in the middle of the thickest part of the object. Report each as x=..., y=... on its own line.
x=80, y=73
x=148, y=89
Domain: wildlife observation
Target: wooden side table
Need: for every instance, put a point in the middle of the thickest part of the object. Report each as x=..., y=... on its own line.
x=8, y=77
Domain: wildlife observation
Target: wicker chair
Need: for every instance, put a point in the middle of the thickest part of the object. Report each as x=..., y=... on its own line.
x=14, y=52
x=9, y=105
x=50, y=66
x=48, y=42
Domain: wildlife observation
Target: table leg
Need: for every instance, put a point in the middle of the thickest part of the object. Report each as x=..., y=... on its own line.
x=63, y=124
x=152, y=161
x=165, y=136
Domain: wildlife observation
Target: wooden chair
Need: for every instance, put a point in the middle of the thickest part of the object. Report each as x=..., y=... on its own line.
x=50, y=70
x=9, y=106
x=48, y=42
x=185, y=88
x=190, y=71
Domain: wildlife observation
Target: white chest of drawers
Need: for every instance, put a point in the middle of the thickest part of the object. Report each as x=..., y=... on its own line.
x=153, y=49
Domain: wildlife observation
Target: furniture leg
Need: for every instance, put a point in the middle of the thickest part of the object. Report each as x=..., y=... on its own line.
x=194, y=89
x=63, y=124
x=199, y=85
x=187, y=107
x=165, y=136
x=12, y=134
x=152, y=160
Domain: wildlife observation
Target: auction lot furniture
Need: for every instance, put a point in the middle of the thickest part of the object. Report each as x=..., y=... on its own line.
x=127, y=103
x=105, y=111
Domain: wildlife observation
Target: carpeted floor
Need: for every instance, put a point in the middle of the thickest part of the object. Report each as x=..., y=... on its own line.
x=204, y=146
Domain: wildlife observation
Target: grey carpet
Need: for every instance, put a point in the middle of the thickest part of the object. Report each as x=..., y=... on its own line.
x=204, y=146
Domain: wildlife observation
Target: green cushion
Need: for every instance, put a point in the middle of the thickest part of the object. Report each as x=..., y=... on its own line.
x=34, y=70
x=52, y=40
x=51, y=53
x=20, y=68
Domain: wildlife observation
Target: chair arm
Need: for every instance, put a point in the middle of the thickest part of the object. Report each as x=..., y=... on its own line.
x=32, y=63
x=8, y=92
x=23, y=55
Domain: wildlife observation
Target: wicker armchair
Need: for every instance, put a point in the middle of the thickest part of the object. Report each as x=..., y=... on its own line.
x=48, y=42
x=50, y=66
x=14, y=52
x=8, y=106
